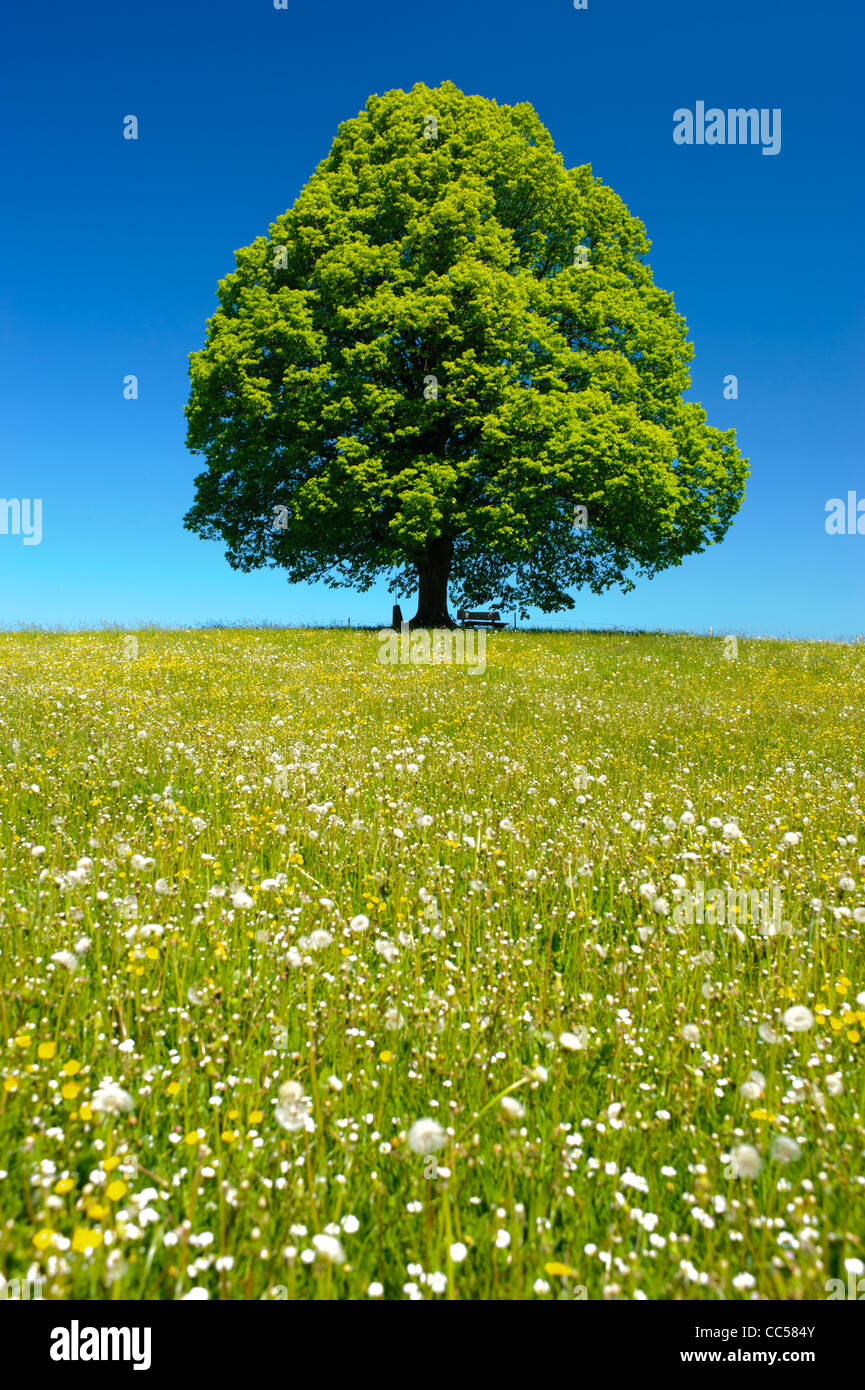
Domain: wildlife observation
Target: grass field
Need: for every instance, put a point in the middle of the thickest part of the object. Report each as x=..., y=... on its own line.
x=267, y=904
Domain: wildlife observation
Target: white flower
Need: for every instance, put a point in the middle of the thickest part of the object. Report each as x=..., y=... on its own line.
x=330, y=1248
x=835, y=1084
x=540, y=1073
x=142, y=863
x=854, y=1266
x=241, y=899
x=386, y=949
x=687, y=818
x=731, y=831
x=293, y=1111
x=426, y=1136
x=744, y=1281
x=513, y=1108
x=754, y=1087
x=82, y=945
x=574, y=1042
x=66, y=959
x=458, y=1252
x=359, y=923
x=111, y=1100
x=320, y=939
x=503, y=1239
x=745, y=1161
x=767, y=1033
x=798, y=1019
x=792, y=837
x=691, y=1033
x=197, y=1294
x=375, y=1290
x=784, y=1149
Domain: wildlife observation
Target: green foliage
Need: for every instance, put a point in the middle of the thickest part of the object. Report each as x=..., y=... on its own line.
x=449, y=248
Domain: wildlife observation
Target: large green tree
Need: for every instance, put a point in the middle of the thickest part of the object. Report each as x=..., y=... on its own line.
x=445, y=346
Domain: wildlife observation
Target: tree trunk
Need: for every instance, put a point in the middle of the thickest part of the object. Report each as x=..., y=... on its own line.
x=433, y=574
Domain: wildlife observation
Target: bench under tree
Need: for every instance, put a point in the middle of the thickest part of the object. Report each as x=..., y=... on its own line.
x=469, y=618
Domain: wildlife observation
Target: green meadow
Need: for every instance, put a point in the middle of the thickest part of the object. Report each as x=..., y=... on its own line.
x=322, y=978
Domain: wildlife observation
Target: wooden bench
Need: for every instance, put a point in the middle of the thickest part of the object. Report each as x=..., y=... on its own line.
x=465, y=618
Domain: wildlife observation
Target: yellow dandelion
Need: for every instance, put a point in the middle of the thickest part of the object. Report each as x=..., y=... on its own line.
x=85, y=1242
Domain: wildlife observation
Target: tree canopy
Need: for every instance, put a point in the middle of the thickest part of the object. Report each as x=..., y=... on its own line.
x=443, y=349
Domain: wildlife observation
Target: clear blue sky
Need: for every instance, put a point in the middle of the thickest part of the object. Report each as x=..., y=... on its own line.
x=113, y=248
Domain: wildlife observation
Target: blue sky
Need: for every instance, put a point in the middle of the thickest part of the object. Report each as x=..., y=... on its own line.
x=113, y=250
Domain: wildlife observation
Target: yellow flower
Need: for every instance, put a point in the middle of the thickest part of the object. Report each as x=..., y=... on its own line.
x=23, y=1040
x=853, y=1035
x=152, y=953
x=85, y=1113
x=70, y=1068
x=11, y=1083
x=46, y=1051
x=110, y=1164
x=63, y=1186
x=42, y=1239
x=70, y=1090
x=172, y=1088
x=115, y=1190
x=256, y=1117
x=191, y=1138
x=557, y=1270
x=96, y=1211
x=385, y=1056
x=228, y=1136
x=84, y=1241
